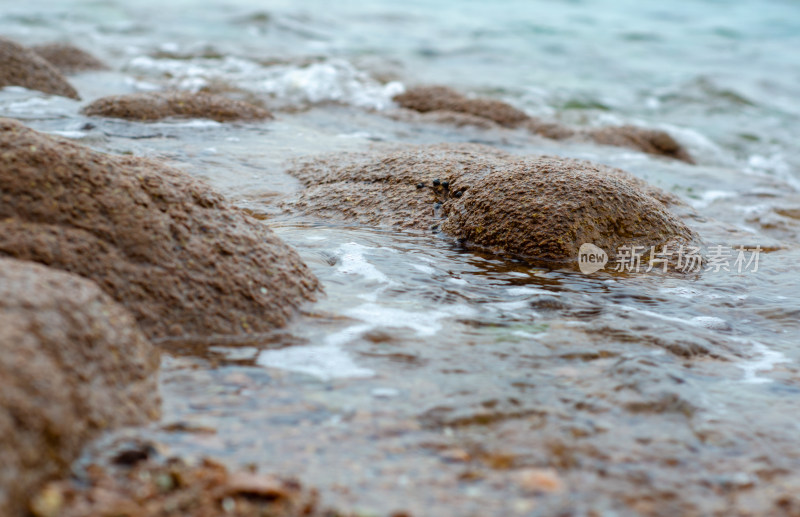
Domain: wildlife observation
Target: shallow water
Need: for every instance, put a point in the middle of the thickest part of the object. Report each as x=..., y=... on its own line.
x=428, y=378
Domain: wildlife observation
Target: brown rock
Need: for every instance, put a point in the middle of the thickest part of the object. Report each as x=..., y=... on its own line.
x=72, y=363
x=539, y=480
x=68, y=59
x=540, y=208
x=174, y=252
x=20, y=66
x=651, y=141
x=442, y=98
x=159, y=105
x=447, y=106
x=149, y=489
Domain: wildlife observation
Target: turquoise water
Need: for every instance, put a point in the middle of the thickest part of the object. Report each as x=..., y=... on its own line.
x=430, y=378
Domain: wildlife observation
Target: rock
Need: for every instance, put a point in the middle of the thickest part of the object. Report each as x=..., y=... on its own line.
x=68, y=59
x=179, y=104
x=446, y=106
x=73, y=363
x=540, y=208
x=651, y=141
x=20, y=66
x=174, y=252
x=442, y=98
x=175, y=488
x=539, y=480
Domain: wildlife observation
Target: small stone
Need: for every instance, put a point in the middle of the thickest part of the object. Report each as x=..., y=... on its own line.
x=420, y=185
x=436, y=182
x=539, y=480
x=446, y=184
x=459, y=193
x=48, y=502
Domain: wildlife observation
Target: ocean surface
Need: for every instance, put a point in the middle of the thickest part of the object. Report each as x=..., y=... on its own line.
x=432, y=379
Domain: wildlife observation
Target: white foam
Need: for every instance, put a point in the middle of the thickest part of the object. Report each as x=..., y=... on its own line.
x=333, y=80
x=323, y=361
x=708, y=197
x=710, y=322
x=765, y=360
x=523, y=291
x=423, y=323
x=425, y=269
x=353, y=262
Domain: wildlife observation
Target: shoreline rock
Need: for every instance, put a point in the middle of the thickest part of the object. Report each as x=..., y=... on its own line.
x=73, y=363
x=443, y=105
x=179, y=104
x=165, y=245
x=174, y=488
x=441, y=98
x=538, y=208
x=21, y=66
x=68, y=59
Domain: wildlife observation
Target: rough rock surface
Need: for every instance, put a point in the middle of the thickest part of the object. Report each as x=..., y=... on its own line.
x=174, y=252
x=68, y=59
x=447, y=106
x=159, y=105
x=21, y=66
x=537, y=208
x=73, y=362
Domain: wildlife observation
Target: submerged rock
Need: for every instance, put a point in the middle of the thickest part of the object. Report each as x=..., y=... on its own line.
x=73, y=363
x=160, y=105
x=537, y=207
x=442, y=98
x=445, y=105
x=650, y=141
x=21, y=66
x=174, y=252
x=68, y=59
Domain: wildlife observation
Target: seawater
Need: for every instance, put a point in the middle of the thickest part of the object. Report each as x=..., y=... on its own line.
x=656, y=393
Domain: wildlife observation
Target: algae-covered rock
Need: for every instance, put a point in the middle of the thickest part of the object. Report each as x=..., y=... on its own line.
x=68, y=59
x=21, y=66
x=174, y=252
x=73, y=363
x=535, y=207
x=179, y=104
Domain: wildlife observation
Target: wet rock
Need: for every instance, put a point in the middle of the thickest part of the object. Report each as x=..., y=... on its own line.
x=176, y=488
x=73, y=363
x=174, y=252
x=651, y=141
x=160, y=105
x=68, y=59
x=442, y=98
x=537, y=207
x=539, y=480
x=21, y=66
x=441, y=104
